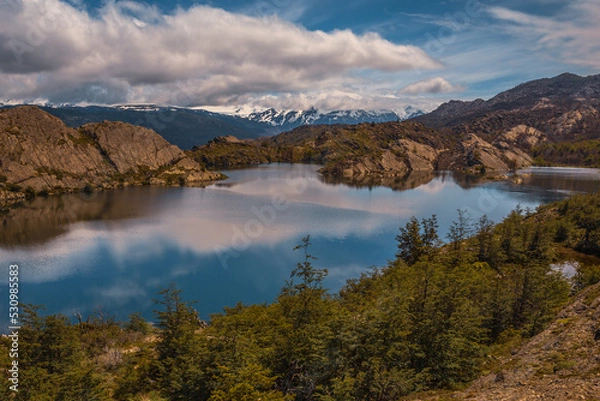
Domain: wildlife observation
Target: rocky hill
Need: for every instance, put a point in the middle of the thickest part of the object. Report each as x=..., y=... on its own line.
x=39, y=154
x=563, y=113
x=373, y=153
x=565, y=107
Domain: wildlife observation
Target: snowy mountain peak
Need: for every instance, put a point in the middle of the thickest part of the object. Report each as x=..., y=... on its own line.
x=288, y=119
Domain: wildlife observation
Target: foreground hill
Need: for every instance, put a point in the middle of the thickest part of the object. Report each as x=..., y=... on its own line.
x=39, y=154
x=561, y=363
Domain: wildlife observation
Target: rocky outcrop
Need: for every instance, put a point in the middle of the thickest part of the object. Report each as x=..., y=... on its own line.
x=563, y=107
x=420, y=157
x=39, y=153
x=128, y=146
x=475, y=154
x=369, y=152
x=402, y=157
x=520, y=137
x=387, y=164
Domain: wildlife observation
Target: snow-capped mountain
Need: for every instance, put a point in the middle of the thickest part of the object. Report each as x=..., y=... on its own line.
x=289, y=119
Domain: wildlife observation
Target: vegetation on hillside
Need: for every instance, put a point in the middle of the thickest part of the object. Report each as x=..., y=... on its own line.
x=433, y=318
x=582, y=153
x=327, y=145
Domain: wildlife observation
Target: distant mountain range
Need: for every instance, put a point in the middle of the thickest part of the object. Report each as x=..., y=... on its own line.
x=292, y=118
x=187, y=127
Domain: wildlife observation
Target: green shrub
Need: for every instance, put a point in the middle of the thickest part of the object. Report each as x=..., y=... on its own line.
x=587, y=275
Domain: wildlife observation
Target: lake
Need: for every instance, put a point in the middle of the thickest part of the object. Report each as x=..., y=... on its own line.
x=233, y=241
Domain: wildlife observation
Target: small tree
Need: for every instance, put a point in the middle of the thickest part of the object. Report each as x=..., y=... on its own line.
x=416, y=241
x=306, y=308
x=459, y=231
x=178, y=368
x=311, y=278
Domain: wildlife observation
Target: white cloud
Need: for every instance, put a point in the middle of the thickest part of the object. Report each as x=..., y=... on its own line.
x=433, y=85
x=203, y=55
x=338, y=99
x=571, y=36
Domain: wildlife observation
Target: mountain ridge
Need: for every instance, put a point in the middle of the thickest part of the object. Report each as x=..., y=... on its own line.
x=289, y=119
x=539, y=103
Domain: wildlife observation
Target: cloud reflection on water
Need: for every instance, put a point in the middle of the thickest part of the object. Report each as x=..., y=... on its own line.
x=109, y=253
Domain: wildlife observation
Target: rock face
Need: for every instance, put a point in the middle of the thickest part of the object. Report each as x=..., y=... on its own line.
x=38, y=152
x=128, y=146
x=401, y=157
x=473, y=153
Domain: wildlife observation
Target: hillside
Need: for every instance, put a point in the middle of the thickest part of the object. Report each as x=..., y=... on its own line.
x=39, y=154
x=564, y=111
x=560, y=364
x=372, y=153
x=563, y=108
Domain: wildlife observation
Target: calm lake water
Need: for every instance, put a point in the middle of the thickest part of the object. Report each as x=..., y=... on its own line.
x=233, y=241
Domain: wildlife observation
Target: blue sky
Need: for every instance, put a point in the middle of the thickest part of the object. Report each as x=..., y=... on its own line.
x=288, y=54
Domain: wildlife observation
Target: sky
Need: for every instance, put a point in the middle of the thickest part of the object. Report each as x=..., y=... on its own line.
x=225, y=55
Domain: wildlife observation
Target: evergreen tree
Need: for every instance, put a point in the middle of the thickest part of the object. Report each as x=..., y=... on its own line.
x=178, y=370
x=418, y=241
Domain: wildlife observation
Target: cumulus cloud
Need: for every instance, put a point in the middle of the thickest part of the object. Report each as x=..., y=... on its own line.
x=433, y=85
x=571, y=36
x=198, y=56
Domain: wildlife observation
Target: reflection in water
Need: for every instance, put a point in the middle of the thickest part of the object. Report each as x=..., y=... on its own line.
x=411, y=180
x=42, y=219
x=561, y=179
x=232, y=241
